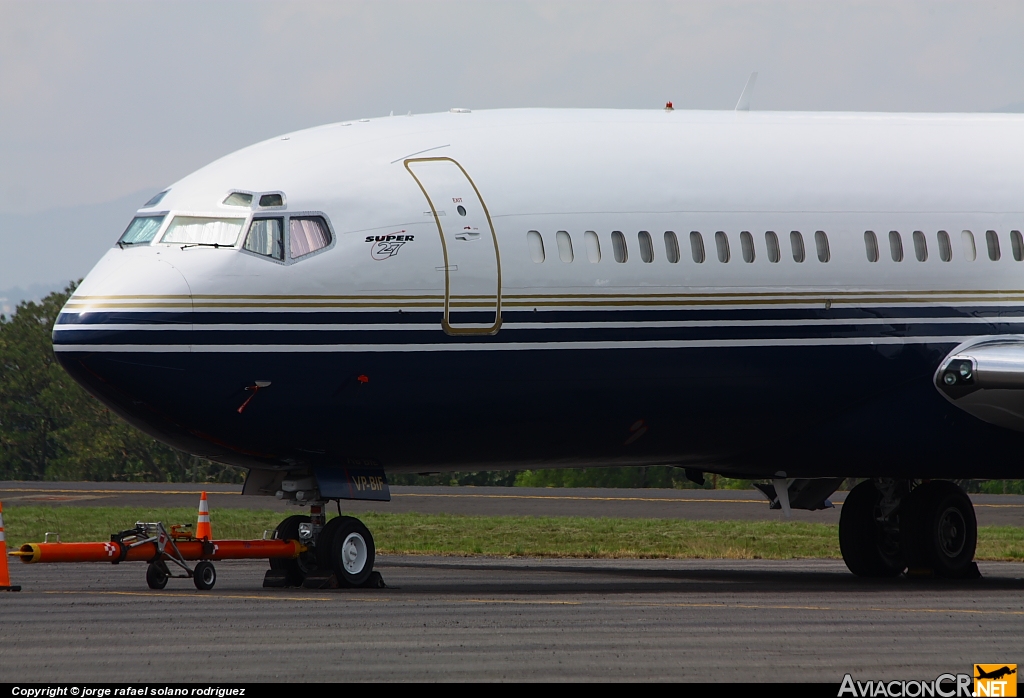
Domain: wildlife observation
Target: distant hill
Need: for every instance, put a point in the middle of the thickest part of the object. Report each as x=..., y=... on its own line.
x=43, y=251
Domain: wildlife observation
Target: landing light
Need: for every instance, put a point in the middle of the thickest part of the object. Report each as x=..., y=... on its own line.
x=959, y=371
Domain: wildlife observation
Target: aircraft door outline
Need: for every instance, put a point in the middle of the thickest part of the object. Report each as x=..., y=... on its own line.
x=472, y=288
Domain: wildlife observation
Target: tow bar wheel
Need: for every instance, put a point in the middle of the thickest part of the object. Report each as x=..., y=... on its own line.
x=156, y=575
x=204, y=575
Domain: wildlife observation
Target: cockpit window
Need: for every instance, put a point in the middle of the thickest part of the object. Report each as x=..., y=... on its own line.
x=156, y=199
x=271, y=200
x=192, y=230
x=141, y=230
x=306, y=235
x=266, y=237
x=238, y=198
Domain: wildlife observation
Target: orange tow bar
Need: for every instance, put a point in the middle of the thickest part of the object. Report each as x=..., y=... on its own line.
x=190, y=550
x=167, y=552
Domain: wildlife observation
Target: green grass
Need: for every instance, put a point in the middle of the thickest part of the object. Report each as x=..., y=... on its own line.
x=445, y=534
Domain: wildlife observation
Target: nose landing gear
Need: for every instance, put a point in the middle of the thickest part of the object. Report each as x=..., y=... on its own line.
x=341, y=553
x=887, y=527
x=292, y=572
x=346, y=548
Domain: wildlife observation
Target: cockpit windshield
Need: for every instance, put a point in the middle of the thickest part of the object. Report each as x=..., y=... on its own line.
x=193, y=230
x=141, y=230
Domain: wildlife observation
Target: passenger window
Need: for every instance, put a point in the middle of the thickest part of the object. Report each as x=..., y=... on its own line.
x=821, y=246
x=1017, y=245
x=895, y=246
x=307, y=235
x=646, y=246
x=796, y=241
x=945, y=247
x=970, y=251
x=536, y=244
x=192, y=230
x=771, y=241
x=992, y=242
x=747, y=246
x=697, y=247
x=722, y=245
x=266, y=237
x=593, y=246
x=140, y=230
x=564, y=243
x=920, y=246
x=671, y=247
x=619, y=246
x=871, y=245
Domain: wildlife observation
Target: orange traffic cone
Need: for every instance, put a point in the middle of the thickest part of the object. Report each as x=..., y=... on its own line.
x=5, y=577
x=203, y=530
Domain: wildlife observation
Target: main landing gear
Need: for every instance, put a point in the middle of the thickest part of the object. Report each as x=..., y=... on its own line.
x=889, y=526
x=340, y=552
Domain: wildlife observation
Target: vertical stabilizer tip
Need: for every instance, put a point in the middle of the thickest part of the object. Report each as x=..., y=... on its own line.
x=744, y=102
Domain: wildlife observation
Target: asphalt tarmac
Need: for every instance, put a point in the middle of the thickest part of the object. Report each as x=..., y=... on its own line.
x=747, y=505
x=510, y=619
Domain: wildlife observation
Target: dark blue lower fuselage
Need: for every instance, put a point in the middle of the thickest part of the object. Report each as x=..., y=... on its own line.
x=837, y=392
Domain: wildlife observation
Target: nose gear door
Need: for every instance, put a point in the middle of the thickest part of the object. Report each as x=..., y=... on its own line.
x=472, y=266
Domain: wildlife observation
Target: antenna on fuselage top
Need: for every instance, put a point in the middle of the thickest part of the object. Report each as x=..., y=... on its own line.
x=744, y=103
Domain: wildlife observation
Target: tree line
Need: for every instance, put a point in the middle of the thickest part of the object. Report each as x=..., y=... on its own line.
x=52, y=429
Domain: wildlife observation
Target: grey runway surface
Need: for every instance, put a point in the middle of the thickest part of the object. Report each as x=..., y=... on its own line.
x=510, y=619
x=992, y=510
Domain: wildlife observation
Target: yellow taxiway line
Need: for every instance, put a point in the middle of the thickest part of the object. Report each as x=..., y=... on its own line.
x=550, y=602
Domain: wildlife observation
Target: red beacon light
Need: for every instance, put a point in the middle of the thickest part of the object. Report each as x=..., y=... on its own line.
x=668, y=106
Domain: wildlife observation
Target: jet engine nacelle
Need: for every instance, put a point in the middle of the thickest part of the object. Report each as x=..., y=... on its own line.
x=985, y=378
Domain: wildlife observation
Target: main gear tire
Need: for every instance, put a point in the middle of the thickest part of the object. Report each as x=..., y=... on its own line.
x=939, y=530
x=871, y=547
x=296, y=569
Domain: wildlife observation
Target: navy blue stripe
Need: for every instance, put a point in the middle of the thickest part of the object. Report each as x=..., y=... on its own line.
x=595, y=334
x=285, y=317
x=124, y=318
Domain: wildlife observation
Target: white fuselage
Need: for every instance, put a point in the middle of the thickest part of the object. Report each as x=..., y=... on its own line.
x=894, y=235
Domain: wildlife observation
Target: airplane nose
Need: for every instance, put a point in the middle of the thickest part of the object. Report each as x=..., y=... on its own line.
x=126, y=336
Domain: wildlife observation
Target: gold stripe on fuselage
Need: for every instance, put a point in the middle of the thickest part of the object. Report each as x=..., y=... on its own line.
x=546, y=300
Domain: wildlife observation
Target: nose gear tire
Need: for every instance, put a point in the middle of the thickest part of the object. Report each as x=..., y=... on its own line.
x=351, y=551
x=870, y=544
x=305, y=564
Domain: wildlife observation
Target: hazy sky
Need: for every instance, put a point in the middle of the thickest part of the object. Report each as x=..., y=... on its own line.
x=102, y=100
